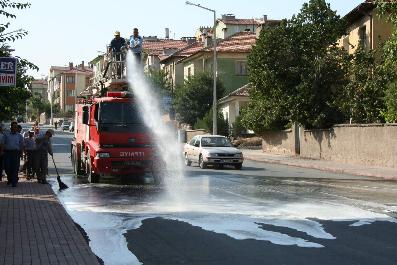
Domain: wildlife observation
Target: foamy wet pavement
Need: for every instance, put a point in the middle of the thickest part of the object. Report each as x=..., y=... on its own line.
x=240, y=207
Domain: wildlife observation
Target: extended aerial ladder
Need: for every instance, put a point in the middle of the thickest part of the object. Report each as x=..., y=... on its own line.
x=109, y=74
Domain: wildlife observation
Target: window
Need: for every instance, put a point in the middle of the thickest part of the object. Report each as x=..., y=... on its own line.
x=189, y=72
x=192, y=141
x=362, y=35
x=345, y=43
x=215, y=142
x=69, y=107
x=70, y=93
x=70, y=79
x=241, y=68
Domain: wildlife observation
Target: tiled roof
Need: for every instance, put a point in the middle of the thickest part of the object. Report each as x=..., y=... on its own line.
x=240, y=21
x=74, y=70
x=186, y=51
x=359, y=11
x=157, y=47
x=239, y=42
x=39, y=81
x=240, y=92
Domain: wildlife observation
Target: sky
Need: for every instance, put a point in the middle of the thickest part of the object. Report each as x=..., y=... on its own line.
x=78, y=30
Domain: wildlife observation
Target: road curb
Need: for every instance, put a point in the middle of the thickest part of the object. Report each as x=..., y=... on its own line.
x=322, y=168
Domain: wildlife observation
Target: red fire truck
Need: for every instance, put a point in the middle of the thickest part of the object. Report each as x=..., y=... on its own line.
x=110, y=137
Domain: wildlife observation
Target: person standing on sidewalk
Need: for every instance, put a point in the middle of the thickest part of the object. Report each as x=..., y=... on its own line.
x=43, y=148
x=30, y=152
x=13, y=150
x=1, y=151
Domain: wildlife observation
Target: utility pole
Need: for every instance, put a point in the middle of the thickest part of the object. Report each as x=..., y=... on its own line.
x=214, y=101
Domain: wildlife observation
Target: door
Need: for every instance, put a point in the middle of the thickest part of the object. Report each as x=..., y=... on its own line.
x=196, y=150
x=189, y=148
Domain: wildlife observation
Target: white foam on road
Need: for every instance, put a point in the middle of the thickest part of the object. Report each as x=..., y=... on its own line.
x=238, y=220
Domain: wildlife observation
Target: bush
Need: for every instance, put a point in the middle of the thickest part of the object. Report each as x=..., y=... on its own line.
x=391, y=95
x=194, y=99
x=238, y=128
x=206, y=124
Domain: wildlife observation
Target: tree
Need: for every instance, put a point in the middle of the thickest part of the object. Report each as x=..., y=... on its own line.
x=13, y=100
x=39, y=105
x=10, y=36
x=159, y=80
x=194, y=99
x=206, y=123
x=296, y=71
x=362, y=99
x=388, y=10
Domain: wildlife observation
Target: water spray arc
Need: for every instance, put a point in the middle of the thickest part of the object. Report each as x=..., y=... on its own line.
x=167, y=144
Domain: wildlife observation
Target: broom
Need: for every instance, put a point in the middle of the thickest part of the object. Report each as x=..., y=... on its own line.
x=62, y=186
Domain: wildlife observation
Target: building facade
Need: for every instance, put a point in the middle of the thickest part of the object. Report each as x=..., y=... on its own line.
x=155, y=50
x=231, y=104
x=229, y=25
x=232, y=56
x=66, y=83
x=39, y=87
x=365, y=28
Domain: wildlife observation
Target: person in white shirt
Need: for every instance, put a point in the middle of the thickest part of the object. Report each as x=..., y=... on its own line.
x=13, y=150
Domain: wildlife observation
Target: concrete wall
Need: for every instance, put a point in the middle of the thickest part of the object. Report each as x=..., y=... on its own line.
x=372, y=145
x=279, y=142
x=191, y=133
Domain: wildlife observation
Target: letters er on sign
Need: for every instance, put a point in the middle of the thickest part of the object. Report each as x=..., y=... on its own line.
x=8, y=71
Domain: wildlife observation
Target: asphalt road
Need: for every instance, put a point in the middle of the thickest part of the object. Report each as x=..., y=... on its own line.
x=263, y=214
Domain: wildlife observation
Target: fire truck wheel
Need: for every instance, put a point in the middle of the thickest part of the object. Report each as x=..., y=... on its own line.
x=92, y=177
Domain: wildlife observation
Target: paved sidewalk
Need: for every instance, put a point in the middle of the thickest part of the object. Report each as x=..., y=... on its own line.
x=35, y=229
x=359, y=170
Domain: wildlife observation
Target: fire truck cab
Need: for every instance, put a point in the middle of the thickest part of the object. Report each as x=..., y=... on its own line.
x=110, y=136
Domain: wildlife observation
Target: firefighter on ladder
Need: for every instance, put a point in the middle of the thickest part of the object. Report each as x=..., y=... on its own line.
x=117, y=55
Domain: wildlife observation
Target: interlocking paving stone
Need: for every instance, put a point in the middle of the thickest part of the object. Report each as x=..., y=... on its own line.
x=35, y=228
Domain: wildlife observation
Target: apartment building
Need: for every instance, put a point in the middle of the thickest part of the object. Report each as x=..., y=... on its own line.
x=39, y=87
x=65, y=83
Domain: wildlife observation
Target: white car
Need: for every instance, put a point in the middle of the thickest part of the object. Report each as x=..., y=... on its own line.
x=65, y=126
x=212, y=150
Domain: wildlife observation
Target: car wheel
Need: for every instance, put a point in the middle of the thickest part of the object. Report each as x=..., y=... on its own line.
x=187, y=161
x=92, y=177
x=238, y=166
x=202, y=164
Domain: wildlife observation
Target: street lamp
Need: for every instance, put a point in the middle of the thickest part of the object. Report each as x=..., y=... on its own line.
x=214, y=102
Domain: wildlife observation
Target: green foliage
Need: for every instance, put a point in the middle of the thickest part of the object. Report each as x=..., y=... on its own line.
x=295, y=71
x=206, y=123
x=194, y=99
x=159, y=80
x=362, y=99
x=388, y=11
x=12, y=35
x=13, y=100
x=39, y=105
x=391, y=101
x=238, y=128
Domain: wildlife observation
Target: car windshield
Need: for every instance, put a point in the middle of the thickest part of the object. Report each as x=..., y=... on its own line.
x=215, y=142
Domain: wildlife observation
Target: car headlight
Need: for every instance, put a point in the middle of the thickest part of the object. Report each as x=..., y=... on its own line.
x=238, y=155
x=102, y=155
x=212, y=155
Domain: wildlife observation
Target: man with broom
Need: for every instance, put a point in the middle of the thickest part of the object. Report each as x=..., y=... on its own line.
x=43, y=147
